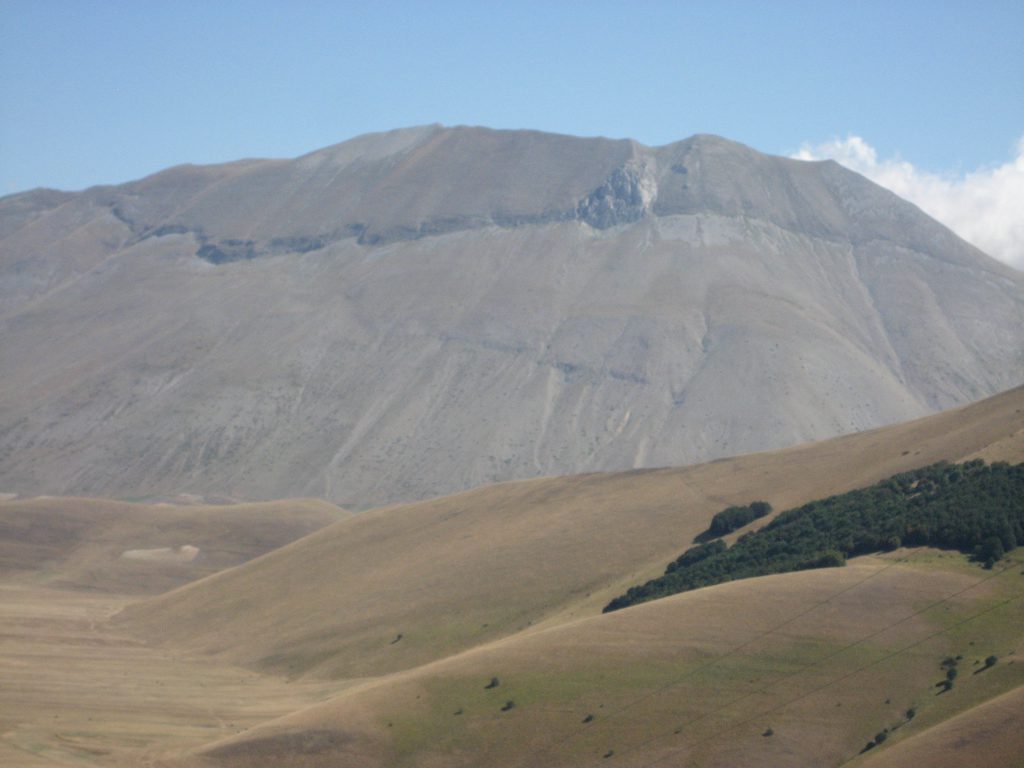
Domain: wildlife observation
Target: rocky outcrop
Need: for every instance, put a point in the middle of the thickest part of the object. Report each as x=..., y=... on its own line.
x=624, y=197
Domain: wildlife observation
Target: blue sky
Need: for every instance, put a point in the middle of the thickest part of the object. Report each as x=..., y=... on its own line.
x=108, y=91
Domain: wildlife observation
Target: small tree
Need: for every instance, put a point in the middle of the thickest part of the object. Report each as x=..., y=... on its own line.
x=990, y=551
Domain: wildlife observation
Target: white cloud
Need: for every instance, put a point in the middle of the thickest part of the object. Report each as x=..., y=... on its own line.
x=985, y=207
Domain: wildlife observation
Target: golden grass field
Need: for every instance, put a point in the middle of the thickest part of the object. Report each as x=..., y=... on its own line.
x=74, y=691
x=370, y=641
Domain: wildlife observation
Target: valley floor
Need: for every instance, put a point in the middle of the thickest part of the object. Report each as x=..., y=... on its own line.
x=773, y=671
x=74, y=691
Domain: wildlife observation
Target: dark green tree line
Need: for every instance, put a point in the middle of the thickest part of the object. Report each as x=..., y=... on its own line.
x=975, y=508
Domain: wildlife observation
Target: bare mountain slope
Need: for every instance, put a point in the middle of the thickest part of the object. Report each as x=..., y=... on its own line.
x=422, y=311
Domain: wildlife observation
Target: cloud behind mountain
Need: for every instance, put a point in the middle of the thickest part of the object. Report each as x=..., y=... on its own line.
x=983, y=206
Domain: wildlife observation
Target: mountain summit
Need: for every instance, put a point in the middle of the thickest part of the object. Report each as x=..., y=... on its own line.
x=421, y=311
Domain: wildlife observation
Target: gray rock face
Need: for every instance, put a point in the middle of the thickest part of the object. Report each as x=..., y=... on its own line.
x=622, y=199
x=421, y=311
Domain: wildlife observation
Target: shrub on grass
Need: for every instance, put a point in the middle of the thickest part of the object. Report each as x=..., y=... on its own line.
x=733, y=518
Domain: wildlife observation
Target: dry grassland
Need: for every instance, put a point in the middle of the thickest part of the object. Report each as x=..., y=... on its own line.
x=370, y=642
x=824, y=659
x=991, y=729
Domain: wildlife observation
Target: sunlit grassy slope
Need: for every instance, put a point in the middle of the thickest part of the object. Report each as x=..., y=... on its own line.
x=989, y=731
x=799, y=669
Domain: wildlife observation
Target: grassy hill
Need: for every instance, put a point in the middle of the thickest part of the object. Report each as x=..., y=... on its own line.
x=795, y=669
x=989, y=732
x=972, y=507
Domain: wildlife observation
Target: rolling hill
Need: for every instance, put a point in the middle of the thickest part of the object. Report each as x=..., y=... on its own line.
x=427, y=310
x=788, y=670
x=468, y=630
x=452, y=573
x=507, y=582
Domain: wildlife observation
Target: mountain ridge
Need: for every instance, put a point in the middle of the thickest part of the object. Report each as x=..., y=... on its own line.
x=387, y=145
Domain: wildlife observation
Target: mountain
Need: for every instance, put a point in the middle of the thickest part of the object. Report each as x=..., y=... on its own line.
x=422, y=311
